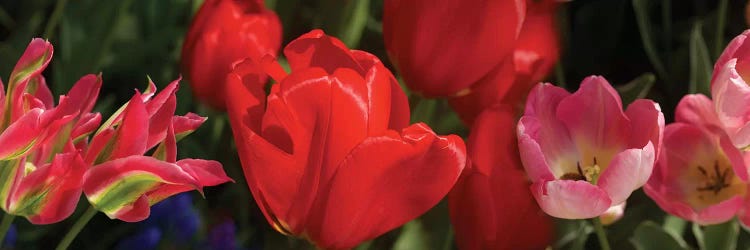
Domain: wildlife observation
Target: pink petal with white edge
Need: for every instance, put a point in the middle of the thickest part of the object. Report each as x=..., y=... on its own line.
x=613, y=214
x=542, y=126
x=594, y=118
x=569, y=199
x=627, y=171
x=731, y=51
x=532, y=157
x=731, y=95
x=646, y=124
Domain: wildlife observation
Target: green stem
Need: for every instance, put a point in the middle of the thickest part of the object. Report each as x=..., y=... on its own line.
x=5, y=225
x=721, y=13
x=77, y=227
x=448, y=243
x=560, y=75
x=601, y=234
x=49, y=31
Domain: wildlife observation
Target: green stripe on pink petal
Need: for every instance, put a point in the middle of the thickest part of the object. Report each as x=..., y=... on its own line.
x=9, y=175
x=49, y=194
x=33, y=61
x=128, y=139
x=20, y=137
x=116, y=187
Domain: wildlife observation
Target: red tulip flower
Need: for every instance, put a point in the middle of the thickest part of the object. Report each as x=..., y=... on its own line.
x=491, y=206
x=443, y=48
x=222, y=32
x=533, y=57
x=328, y=154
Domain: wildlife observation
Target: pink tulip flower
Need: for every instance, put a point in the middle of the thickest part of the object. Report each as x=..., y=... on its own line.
x=693, y=178
x=582, y=152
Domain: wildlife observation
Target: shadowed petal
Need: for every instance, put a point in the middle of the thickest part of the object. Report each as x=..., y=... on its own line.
x=570, y=199
x=420, y=169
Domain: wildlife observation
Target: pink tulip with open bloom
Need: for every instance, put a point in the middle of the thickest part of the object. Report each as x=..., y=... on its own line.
x=123, y=183
x=582, y=152
x=693, y=178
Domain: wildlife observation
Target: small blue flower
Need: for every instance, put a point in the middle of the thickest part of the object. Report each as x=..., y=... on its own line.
x=223, y=236
x=145, y=239
x=10, y=237
x=176, y=217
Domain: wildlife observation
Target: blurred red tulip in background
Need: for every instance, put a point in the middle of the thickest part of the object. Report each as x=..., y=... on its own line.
x=536, y=52
x=223, y=32
x=491, y=206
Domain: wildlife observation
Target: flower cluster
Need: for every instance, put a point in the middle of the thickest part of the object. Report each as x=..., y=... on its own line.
x=702, y=175
x=51, y=154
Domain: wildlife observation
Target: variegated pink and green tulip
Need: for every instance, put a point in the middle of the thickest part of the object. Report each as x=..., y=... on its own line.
x=40, y=168
x=582, y=152
x=123, y=183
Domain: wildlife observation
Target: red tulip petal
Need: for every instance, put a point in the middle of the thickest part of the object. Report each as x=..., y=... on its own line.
x=442, y=47
x=539, y=36
x=491, y=206
x=378, y=79
x=316, y=49
x=372, y=194
x=260, y=159
x=492, y=88
x=383, y=93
